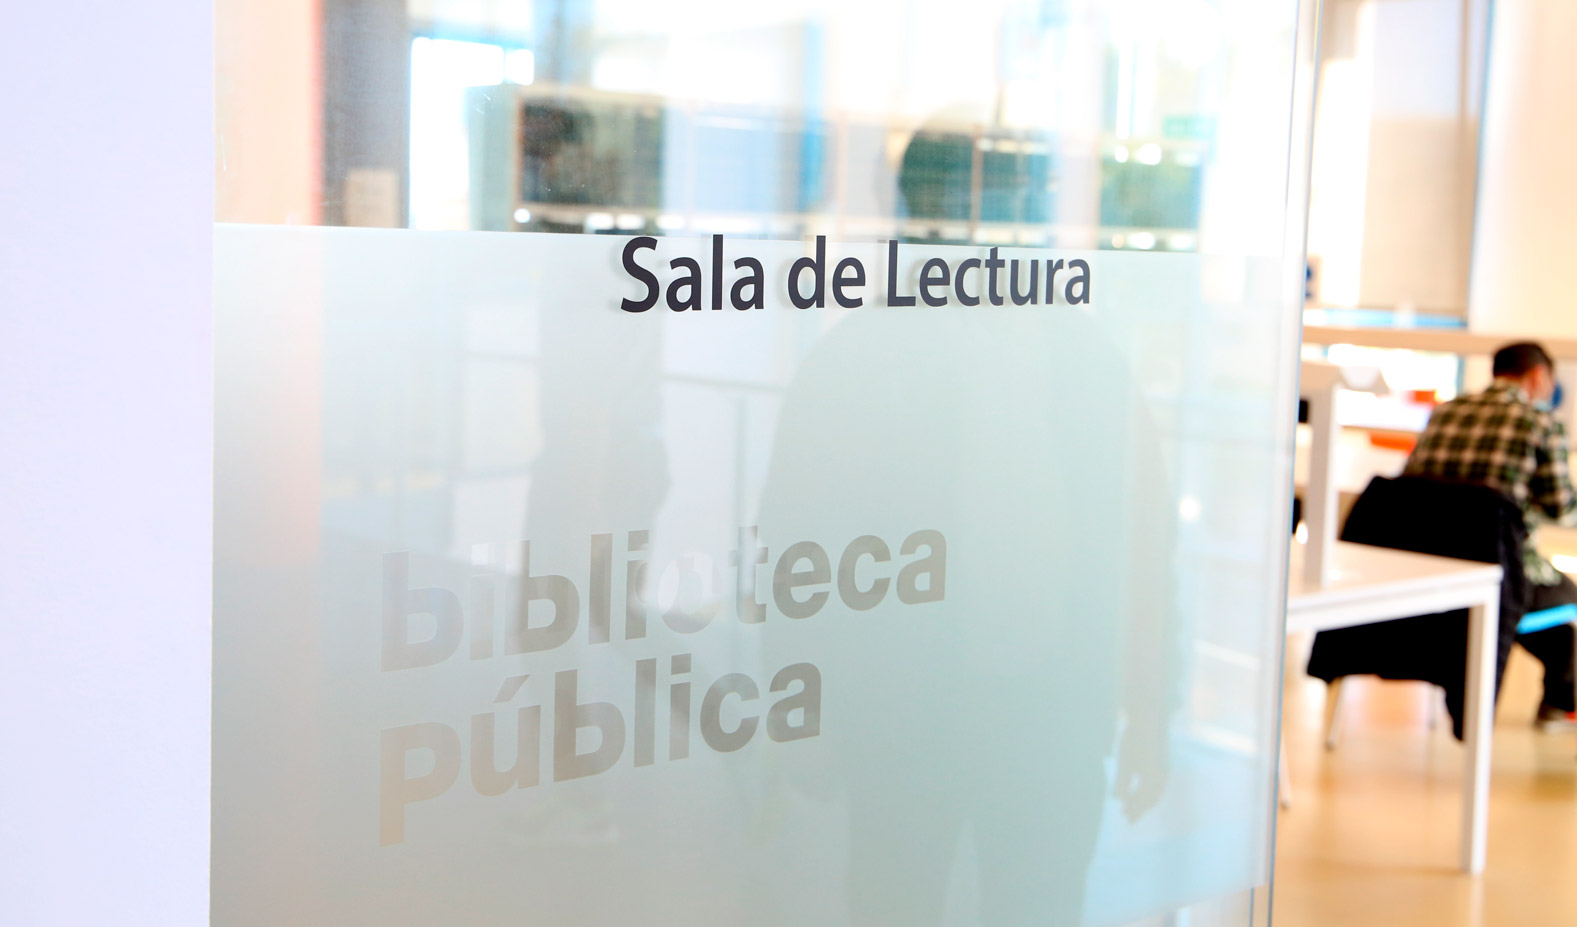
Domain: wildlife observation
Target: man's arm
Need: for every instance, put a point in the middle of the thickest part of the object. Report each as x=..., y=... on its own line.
x=1551, y=490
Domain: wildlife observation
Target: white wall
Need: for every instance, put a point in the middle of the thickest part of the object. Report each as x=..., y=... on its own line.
x=1527, y=219
x=105, y=481
x=1395, y=151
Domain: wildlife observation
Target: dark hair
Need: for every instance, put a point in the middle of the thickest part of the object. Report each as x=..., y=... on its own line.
x=1514, y=360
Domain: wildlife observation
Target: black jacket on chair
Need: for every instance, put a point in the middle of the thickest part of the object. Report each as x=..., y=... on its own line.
x=1449, y=520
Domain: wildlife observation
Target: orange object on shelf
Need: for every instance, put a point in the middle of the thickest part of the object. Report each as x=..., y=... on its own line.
x=1394, y=440
x=1423, y=397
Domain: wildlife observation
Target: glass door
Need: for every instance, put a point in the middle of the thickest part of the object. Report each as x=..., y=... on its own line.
x=705, y=463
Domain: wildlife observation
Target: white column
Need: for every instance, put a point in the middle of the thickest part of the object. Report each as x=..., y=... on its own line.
x=1320, y=490
x=1525, y=235
x=105, y=477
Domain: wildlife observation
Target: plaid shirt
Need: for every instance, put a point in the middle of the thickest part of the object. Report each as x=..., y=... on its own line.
x=1499, y=439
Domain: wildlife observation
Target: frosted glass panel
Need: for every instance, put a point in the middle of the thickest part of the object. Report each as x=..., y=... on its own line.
x=800, y=498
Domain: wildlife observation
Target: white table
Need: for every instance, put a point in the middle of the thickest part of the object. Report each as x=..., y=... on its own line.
x=1367, y=584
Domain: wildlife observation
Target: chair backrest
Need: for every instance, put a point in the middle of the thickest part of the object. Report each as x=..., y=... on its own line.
x=1428, y=516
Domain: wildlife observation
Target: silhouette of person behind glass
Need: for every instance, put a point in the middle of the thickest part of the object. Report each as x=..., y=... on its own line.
x=1020, y=435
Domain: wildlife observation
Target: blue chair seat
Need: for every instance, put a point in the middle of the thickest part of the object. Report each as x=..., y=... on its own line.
x=1548, y=618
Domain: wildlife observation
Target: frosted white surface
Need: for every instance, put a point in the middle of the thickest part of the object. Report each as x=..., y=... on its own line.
x=1060, y=706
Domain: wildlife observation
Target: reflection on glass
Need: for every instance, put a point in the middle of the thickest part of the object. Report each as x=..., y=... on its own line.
x=1068, y=123
x=1059, y=706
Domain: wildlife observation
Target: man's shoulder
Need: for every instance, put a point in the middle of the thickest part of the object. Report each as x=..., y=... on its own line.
x=1464, y=408
x=1493, y=402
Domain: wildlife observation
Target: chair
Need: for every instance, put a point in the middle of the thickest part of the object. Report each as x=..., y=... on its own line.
x=1531, y=622
x=1429, y=517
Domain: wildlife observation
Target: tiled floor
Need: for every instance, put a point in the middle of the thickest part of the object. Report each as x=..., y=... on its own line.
x=1371, y=838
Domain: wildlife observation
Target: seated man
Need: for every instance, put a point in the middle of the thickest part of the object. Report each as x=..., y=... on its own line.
x=1507, y=439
